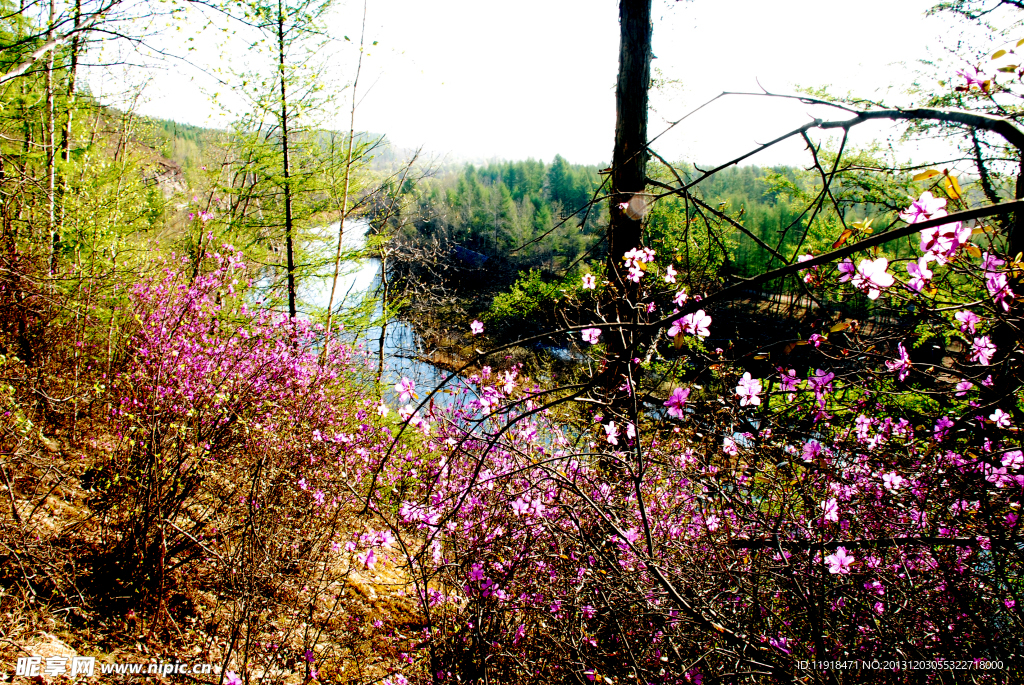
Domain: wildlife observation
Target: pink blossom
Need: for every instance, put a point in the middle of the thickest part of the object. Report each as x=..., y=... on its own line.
x=839, y=562
x=368, y=558
x=892, y=481
x=712, y=522
x=697, y=324
x=962, y=387
x=872, y=277
x=1001, y=419
x=611, y=432
x=729, y=447
x=591, y=335
x=748, y=390
x=901, y=363
x=476, y=328
x=926, y=207
x=830, y=508
x=670, y=274
x=231, y=678
x=589, y=282
x=968, y=320
x=846, y=270
x=520, y=507
x=677, y=401
x=680, y=297
x=407, y=389
x=920, y=274
x=982, y=350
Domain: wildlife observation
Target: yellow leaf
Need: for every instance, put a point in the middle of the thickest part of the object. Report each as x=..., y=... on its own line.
x=1008, y=69
x=953, y=187
x=978, y=230
x=678, y=341
x=1020, y=42
x=973, y=250
x=760, y=356
x=926, y=175
x=839, y=327
x=998, y=53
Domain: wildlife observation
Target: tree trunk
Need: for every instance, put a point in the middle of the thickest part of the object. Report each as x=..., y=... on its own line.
x=288, y=243
x=628, y=175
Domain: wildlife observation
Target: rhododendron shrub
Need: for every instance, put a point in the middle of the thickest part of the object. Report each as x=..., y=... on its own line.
x=862, y=505
x=227, y=414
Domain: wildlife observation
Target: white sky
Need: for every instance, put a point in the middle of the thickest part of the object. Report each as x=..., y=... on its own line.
x=534, y=78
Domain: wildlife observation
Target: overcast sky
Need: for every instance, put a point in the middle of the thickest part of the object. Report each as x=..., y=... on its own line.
x=535, y=78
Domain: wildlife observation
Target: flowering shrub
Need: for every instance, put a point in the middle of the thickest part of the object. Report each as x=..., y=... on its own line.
x=770, y=518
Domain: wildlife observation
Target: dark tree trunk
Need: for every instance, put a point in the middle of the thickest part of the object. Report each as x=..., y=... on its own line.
x=288, y=242
x=629, y=167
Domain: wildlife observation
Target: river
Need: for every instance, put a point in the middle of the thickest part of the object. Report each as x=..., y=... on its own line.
x=359, y=281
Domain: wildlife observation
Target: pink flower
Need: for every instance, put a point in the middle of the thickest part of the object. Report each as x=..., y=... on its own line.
x=872, y=277
x=476, y=328
x=1001, y=419
x=839, y=562
x=520, y=507
x=712, y=522
x=830, y=509
x=962, y=387
x=729, y=447
x=926, y=207
x=680, y=297
x=407, y=389
x=846, y=270
x=670, y=274
x=697, y=324
x=611, y=432
x=982, y=350
x=892, y=481
x=677, y=401
x=589, y=282
x=231, y=678
x=920, y=274
x=901, y=364
x=968, y=320
x=591, y=335
x=382, y=409
x=748, y=390
x=368, y=558
x=815, y=339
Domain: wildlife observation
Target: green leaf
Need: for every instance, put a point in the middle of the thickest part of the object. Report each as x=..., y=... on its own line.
x=1008, y=69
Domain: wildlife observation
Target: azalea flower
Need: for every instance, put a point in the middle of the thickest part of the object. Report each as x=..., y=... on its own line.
x=1001, y=419
x=872, y=277
x=729, y=447
x=231, y=678
x=476, y=328
x=589, y=282
x=611, y=432
x=670, y=274
x=831, y=509
x=926, y=207
x=982, y=350
x=846, y=270
x=962, y=387
x=920, y=274
x=677, y=401
x=697, y=323
x=406, y=389
x=839, y=562
x=901, y=364
x=892, y=481
x=382, y=409
x=680, y=297
x=968, y=320
x=712, y=522
x=591, y=335
x=748, y=390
